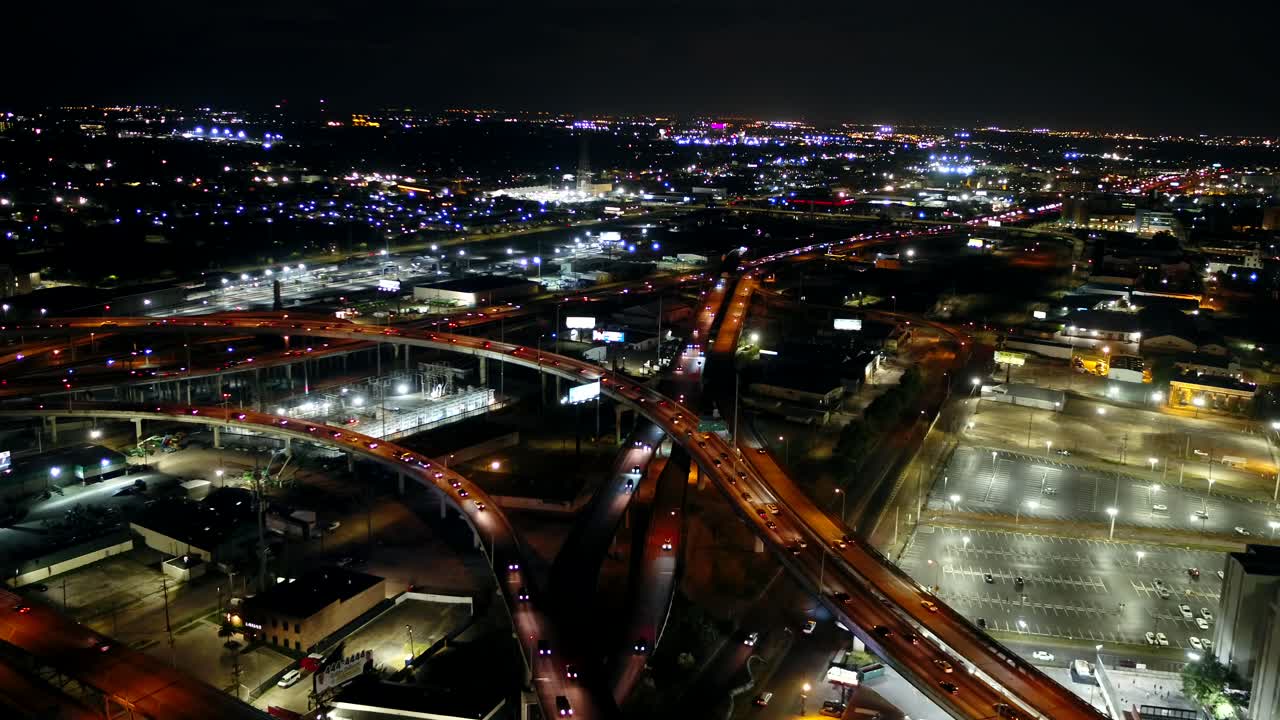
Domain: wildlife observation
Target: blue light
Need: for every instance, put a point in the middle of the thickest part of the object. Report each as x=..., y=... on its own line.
x=199, y=130
x=1253, y=277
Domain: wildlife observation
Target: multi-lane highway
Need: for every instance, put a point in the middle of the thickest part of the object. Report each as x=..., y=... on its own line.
x=495, y=535
x=888, y=596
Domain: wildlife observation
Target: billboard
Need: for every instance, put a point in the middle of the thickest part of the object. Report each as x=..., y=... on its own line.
x=848, y=323
x=1011, y=358
x=978, y=243
x=389, y=285
x=583, y=393
x=608, y=336
x=6, y=460
x=342, y=671
x=610, y=236
x=579, y=322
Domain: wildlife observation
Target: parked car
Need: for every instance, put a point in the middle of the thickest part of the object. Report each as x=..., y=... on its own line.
x=1043, y=656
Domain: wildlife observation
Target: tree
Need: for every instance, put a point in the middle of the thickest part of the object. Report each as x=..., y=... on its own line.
x=1206, y=681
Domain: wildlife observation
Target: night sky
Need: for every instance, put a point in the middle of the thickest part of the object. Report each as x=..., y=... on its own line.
x=1203, y=67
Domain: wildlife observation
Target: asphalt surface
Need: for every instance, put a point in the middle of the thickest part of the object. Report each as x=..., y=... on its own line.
x=1072, y=588
x=1053, y=488
x=856, y=569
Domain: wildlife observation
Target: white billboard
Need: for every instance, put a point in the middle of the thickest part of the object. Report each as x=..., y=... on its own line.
x=848, y=323
x=610, y=236
x=978, y=243
x=608, y=336
x=389, y=285
x=579, y=322
x=6, y=461
x=344, y=670
x=583, y=393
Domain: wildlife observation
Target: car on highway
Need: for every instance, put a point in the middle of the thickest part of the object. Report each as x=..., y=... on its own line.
x=809, y=626
x=949, y=687
x=763, y=699
x=841, y=597
x=1162, y=639
x=563, y=707
x=944, y=665
x=929, y=605
x=751, y=639
x=839, y=543
x=22, y=609
x=1202, y=623
x=1185, y=609
x=1151, y=638
x=544, y=648
x=640, y=646
x=882, y=631
x=571, y=672
x=773, y=508
x=667, y=544
x=1195, y=643
x=522, y=594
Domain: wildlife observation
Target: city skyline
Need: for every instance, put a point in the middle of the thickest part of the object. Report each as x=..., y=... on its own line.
x=1096, y=67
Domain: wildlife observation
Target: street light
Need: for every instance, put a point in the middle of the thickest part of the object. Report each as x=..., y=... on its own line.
x=1273, y=525
x=1141, y=555
x=1022, y=625
x=1102, y=411
x=1031, y=505
x=1048, y=444
x=1153, y=462
x=965, y=540
x=1112, y=512
x=955, y=501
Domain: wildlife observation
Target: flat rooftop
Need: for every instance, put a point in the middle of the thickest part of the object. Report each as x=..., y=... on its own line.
x=312, y=592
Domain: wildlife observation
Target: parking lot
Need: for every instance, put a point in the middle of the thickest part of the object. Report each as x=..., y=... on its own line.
x=1054, y=488
x=1072, y=588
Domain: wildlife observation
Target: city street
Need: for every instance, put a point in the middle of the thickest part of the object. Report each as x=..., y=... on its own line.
x=1030, y=487
x=1073, y=588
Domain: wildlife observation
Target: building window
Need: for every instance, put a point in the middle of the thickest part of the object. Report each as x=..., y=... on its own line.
x=297, y=645
x=297, y=628
x=275, y=640
x=273, y=622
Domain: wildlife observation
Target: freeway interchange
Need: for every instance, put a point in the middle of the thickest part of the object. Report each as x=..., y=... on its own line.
x=880, y=595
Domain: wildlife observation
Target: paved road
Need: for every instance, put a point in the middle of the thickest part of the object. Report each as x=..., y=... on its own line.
x=1073, y=588
x=1055, y=489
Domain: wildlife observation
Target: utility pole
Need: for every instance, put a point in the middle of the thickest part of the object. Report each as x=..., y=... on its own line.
x=164, y=589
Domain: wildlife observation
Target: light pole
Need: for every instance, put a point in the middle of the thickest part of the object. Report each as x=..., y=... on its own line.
x=1022, y=625
x=842, y=495
x=786, y=444
x=412, y=651
x=1112, y=512
x=955, y=502
x=965, y=540
x=1273, y=525
x=1141, y=555
x=1153, y=462
x=804, y=696
x=1048, y=445
x=975, y=392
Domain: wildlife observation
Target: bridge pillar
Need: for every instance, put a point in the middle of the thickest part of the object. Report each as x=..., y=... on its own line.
x=542, y=396
x=759, y=545
x=288, y=447
x=617, y=424
x=188, y=392
x=484, y=372
x=288, y=375
x=444, y=506
x=217, y=437
x=53, y=429
x=351, y=463
x=400, y=483
x=702, y=479
x=137, y=430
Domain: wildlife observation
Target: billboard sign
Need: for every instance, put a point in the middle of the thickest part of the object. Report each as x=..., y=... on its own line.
x=388, y=285
x=848, y=323
x=583, y=393
x=977, y=243
x=1005, y=357
x=6, y=460
x=343, y=671
x=608, y=336
x=579, y=322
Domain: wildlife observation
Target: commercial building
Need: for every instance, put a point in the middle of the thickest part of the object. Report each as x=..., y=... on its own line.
x=1214, y=392
x=1247, y=634
x=476, y=291
x=298, y=613
x=371, y=699
x=220, y=527
x=1026, y=395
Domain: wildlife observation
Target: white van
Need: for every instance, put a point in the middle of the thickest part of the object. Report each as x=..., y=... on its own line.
x=290, y=678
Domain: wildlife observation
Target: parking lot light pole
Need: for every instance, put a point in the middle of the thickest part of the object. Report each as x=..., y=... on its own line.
x=1141, y=555
x=1112, y=512
x=1273, y=525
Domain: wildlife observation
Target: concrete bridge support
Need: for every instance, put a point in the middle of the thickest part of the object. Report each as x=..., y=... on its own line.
x=137, y=430
x=217, y=437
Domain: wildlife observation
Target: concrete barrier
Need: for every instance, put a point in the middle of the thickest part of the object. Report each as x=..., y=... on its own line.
x=47, y=566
